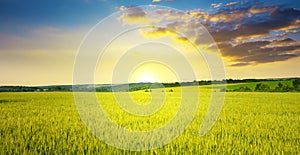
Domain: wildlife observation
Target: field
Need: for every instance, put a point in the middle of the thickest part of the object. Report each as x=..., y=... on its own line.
x=252, y=85
x=250, y=123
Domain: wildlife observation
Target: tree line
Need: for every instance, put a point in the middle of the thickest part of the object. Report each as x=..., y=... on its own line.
x=260, y=87
x=265, y=87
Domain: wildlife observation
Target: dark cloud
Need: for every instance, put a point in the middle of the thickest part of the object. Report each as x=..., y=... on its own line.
x=230, y=24
x=133, y=14
x=244, y=33
x=285, y=41
x=241, y=50
x=248, y=33
x=262, y=9
x=261, y=51
x=240, y=64
x=134, y=11
x=288, y=13
x=265, y=58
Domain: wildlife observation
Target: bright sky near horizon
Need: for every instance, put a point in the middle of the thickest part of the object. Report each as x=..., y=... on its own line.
x=256, y=39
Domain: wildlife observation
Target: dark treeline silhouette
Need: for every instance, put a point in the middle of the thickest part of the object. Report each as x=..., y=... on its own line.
x=33, y=89
x=261, y=87
x=265, y=87
x=248, y=80
x=18, y=89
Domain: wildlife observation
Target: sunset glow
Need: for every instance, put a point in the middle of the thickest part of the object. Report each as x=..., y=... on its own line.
x=256, y=39
x=146, y=78
x=152, y=72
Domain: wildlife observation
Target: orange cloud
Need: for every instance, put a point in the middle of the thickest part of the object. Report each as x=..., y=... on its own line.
x=228, y=16
x=198, y=14
x=243, y=37
x=257, y=10
x=158, y=32
x=136, y=15
x=289, y=28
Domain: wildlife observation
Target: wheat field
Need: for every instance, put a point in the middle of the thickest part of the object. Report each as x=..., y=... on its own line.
x=250, y=123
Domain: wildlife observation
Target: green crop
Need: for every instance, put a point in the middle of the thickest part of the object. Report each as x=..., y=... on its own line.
x=250, y=123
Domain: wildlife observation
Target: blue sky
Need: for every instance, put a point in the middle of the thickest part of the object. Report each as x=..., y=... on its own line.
x=17, y=15
x=260, y=38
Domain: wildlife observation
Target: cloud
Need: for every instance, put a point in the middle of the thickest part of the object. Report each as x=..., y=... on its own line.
x=133, y=15
x=122, y=8
x=258, y=9
x=231, y=3
x=288, y=13
x=240, y=64
x=198, y=14
x=246, y=38
x=261, y=51
x=228, y=16
x=156, y=1
x=157, y=32
x=283, y=42
x=246, y=33
x=251, y=26
x=134, y=11
x=216, y=5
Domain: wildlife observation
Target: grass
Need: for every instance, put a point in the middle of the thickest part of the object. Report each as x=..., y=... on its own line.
x=250, y=123
x=252, y=85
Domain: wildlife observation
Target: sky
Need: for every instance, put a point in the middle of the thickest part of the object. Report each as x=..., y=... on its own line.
x=40, y=39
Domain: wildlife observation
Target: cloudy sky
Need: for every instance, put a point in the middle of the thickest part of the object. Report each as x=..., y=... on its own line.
x=39, y=39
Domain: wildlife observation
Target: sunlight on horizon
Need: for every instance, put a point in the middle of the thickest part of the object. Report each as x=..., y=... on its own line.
x=147, y=78
x=152, y=72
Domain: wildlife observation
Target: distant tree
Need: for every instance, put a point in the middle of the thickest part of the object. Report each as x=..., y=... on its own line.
x=171, y=90
x=262, y=87
x=296, y=84
x=243, y=89
x=247, y=89
x=230, y=81
x=279, y=87
x=283, y=88
x=287, y=88
x=104, y=89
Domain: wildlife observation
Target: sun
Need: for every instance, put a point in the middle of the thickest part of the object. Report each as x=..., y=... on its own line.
x=146, y=77
x=152, y=72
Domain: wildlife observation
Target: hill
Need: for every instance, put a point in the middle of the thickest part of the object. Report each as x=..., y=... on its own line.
x=282, y=85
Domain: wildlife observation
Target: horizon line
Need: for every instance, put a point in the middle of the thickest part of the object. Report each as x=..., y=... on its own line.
x=48, y=85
